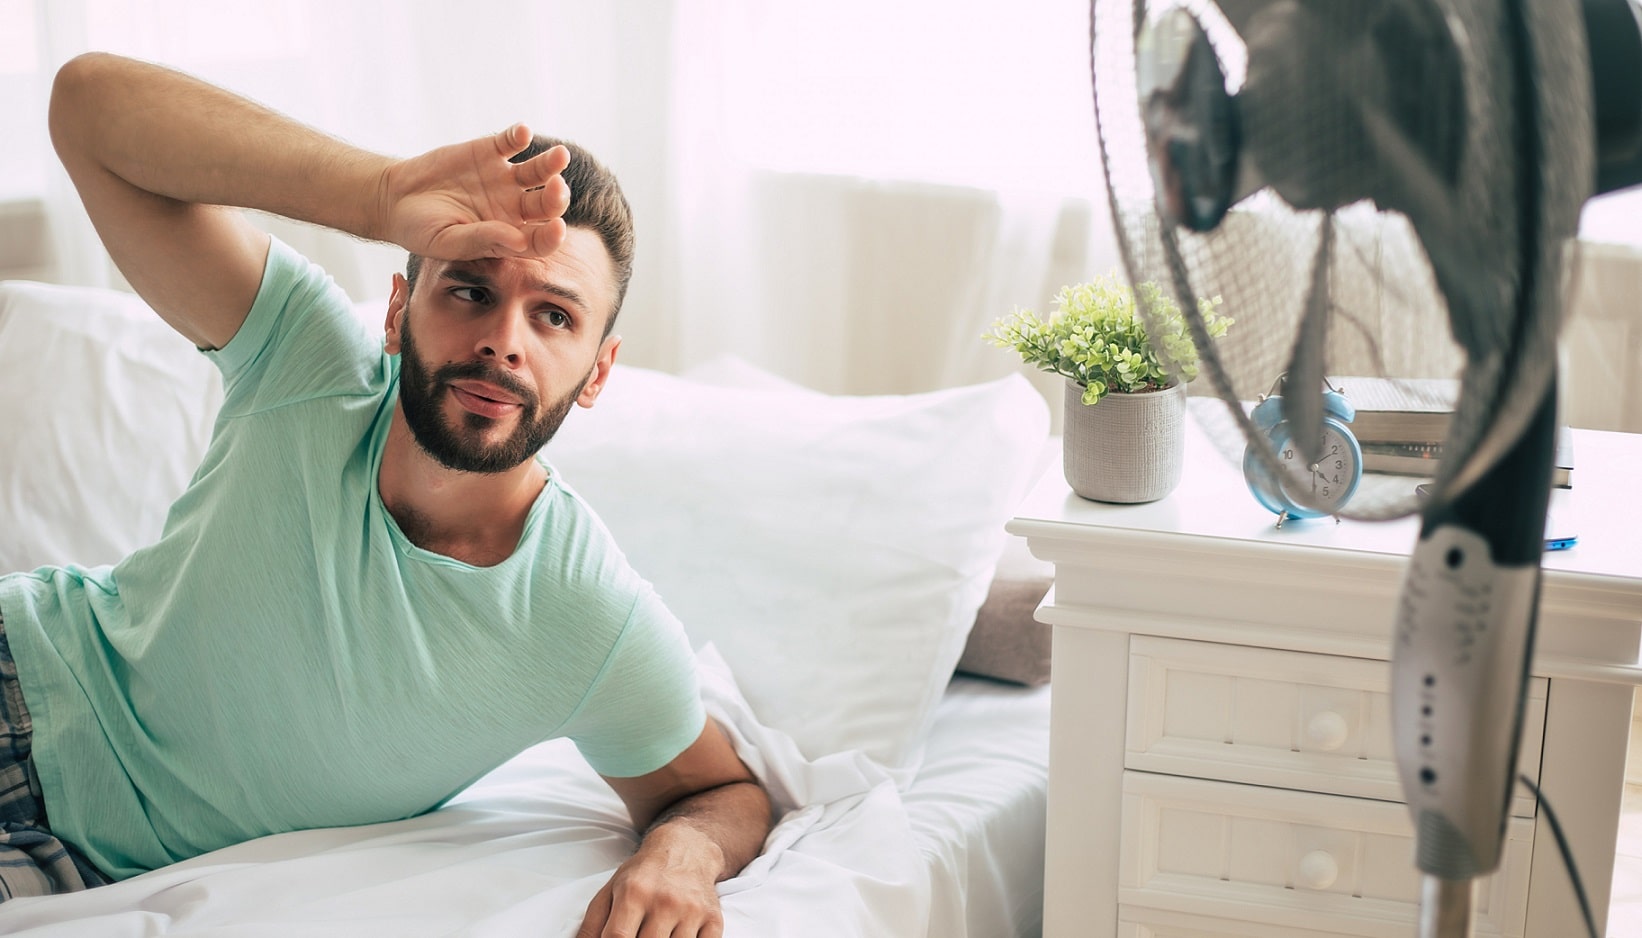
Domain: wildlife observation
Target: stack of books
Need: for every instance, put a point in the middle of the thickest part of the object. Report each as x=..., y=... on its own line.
x=1402, y=422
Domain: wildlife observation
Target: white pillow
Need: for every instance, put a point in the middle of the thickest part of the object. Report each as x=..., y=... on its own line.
x=106, y=411
x=834, y=549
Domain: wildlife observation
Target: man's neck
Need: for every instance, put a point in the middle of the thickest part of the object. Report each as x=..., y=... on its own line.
x=476, y=518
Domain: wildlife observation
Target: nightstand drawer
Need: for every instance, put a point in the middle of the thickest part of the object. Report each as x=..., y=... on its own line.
x=1287, y=860
x=1140, y=922
x=1282, y=719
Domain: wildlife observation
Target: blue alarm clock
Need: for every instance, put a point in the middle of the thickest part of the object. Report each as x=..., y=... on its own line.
x=1305, y=490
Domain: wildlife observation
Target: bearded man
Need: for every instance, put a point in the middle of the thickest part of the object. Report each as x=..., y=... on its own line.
x=374, y=590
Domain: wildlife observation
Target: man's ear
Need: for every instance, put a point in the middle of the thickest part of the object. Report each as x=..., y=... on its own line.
x=397, y=303
x=601, y=371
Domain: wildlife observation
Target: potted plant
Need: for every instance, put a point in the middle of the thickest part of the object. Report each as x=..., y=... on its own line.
x=1125, y=388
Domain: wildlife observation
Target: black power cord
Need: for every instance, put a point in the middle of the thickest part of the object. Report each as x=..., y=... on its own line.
x=1567, y=855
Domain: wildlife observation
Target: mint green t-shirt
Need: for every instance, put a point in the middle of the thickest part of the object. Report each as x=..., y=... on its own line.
x=284, y=658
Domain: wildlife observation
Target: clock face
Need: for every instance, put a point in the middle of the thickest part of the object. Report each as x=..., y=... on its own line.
x=1325, y=485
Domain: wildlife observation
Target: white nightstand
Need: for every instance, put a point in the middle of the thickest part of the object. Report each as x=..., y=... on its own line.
x=1220, y=756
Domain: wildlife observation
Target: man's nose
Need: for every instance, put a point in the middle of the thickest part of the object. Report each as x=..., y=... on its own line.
x=503, y=337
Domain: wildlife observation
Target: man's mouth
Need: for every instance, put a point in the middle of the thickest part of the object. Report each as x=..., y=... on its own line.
x=483, y=398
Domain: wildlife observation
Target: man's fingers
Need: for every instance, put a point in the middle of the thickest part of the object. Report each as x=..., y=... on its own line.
x=497, y=239
x=643, y=904
x=546, y=238
x=598, y=912
x=540, y=168
x=625, y=920
x=512, y=140
x=546, y=201
x=480, y=239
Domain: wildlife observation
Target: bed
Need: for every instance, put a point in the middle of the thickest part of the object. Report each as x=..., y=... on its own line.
x=833, y=558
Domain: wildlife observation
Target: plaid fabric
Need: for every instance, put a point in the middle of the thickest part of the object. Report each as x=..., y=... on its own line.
x=33, y=862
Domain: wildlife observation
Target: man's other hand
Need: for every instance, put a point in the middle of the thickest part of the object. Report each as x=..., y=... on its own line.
x=466, y=200
x=704, y=816
x=667, y=888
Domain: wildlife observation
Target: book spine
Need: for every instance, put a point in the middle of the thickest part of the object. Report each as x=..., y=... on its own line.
x=1410, y=450
x=1410, y=458
x=1400, y=427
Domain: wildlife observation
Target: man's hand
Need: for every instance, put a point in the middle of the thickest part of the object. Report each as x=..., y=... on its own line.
x=466, y=200
x=667, y=888
x=705, y=817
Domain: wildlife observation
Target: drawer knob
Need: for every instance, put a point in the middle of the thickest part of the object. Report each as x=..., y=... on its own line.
x=1318, y=870
x=1328, y=731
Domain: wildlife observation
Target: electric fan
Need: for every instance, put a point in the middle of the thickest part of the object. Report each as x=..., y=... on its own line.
x=1342, y=171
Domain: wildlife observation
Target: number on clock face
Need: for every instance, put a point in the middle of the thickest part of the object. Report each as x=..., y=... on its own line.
x=1324, y=484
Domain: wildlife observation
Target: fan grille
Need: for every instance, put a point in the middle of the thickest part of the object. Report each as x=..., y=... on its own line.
x=1422, y=270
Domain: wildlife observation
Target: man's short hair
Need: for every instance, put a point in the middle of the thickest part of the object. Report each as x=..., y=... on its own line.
x=596, y=203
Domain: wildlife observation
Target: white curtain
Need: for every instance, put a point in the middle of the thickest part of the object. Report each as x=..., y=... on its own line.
x=846, y=194
x=863, y=187
x=394, y=76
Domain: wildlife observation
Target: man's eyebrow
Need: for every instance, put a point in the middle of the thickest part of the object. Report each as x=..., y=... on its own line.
x=474, y=278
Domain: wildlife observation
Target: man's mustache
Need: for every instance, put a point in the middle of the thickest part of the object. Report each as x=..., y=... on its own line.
x=490, y=374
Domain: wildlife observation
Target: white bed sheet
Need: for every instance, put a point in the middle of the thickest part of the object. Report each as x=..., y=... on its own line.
x=978, y=807
x=958, y=855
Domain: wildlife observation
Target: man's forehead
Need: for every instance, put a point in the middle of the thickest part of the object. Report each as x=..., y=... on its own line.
x=490, y=268
x=581, y=265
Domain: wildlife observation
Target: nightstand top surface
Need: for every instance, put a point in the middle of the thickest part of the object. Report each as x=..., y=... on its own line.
x=1213, y=501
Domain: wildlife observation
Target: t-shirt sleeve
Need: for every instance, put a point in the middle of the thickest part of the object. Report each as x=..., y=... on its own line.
x=299, y=341
x=644, y=708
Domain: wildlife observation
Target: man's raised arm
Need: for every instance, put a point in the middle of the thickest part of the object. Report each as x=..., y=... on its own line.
x=157, y=155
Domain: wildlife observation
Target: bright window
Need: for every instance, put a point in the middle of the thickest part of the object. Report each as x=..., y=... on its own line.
x=991, y=94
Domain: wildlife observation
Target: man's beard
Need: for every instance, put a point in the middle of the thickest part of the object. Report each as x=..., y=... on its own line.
x=421, y=395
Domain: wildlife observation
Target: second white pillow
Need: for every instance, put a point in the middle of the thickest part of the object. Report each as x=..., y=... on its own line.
x=835, y=549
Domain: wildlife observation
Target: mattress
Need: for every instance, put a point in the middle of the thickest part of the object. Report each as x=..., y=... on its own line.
x=959, y=853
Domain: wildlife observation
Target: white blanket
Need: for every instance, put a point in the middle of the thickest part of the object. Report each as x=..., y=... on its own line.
x=522, y=853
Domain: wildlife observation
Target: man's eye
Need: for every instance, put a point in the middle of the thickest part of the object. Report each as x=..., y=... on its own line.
x=469, y=294
x=556, y=318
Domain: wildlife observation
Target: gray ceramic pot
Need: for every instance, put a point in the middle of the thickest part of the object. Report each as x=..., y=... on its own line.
x=1128, y=447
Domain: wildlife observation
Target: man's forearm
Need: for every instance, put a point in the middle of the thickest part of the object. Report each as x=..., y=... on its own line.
x=734, y=818
x=155, y=154
x=177, y=137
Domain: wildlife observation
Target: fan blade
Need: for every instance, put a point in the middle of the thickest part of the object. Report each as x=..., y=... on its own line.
x=1191, y=123
x=1319, y=71
x=1613, y=32
x=1432, y=205
x=1303, y=388
x=1239, y=12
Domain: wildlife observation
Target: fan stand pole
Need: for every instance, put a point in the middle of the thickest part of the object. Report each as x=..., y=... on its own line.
x=1445, y=907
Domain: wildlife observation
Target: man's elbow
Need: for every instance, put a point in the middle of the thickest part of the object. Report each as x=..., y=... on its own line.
x=80, y=84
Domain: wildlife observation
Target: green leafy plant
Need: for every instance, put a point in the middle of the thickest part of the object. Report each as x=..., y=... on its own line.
x=1096, y=337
